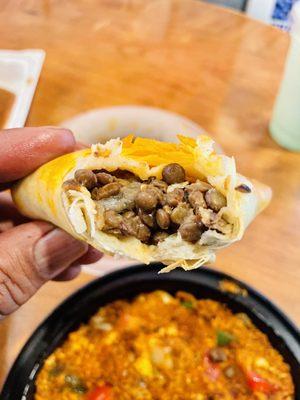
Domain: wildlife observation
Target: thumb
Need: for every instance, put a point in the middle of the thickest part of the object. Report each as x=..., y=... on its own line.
x=30, y=255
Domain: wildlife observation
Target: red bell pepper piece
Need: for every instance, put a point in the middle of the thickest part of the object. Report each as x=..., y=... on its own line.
x=212, y=369
x=259, y=384
x=103, y=392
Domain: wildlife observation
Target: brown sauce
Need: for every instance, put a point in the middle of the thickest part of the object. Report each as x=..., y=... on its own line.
x=6, y=102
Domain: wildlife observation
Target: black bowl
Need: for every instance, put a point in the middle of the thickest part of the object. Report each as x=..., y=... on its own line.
x=127, y=283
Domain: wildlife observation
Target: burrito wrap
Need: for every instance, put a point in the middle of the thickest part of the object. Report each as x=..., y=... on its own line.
x=41, y=195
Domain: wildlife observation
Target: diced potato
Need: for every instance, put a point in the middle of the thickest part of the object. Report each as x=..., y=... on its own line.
x=144, y=366
x=161, y=357
x=110, y=338
x=261, y=362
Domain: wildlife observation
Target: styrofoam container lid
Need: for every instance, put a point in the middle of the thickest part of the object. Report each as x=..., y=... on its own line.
x=19, y=74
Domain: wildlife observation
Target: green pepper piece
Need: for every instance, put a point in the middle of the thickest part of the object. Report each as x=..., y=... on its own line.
x=224, y=338
x=56, y=370
x=187, y=304
x=75, y=384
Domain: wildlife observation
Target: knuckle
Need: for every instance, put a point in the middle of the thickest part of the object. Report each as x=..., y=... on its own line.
x=17, y=282
x=8, y=302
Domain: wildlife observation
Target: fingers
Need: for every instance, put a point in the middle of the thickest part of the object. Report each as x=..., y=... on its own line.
x=90, y=257
x=18, y=276
x=9, y=216
x=55, y=252
x=31, y=254
x=24, y=150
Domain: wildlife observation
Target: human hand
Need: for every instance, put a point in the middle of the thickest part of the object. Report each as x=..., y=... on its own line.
x=33, y=252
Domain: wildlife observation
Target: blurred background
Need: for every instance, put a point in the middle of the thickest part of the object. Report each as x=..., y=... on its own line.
x=275, y=12
x=237, y=4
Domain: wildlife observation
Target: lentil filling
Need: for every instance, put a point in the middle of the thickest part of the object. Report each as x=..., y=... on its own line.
x=152, y=210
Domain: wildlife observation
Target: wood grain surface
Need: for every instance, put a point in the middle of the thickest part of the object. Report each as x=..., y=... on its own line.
x=209, y=64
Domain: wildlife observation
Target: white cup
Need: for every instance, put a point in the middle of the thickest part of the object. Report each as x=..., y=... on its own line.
x=285, y=123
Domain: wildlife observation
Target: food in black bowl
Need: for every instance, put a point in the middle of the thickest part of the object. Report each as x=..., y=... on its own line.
x=153, y=339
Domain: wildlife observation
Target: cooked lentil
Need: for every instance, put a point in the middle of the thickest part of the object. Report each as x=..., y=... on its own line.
x=162, y=219
x=160, y=347
x=215, y=200
x=179, y=213
x=147, y=218
x=173, y=173
x=86, y=178
x=108, y=190
x=175, y=197
x=146, y=200
x=103, y=178
x=191, y=231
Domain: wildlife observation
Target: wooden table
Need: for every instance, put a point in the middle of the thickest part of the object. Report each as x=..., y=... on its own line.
x=214, y=66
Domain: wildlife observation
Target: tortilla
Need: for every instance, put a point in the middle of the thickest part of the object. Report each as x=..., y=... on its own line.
x=42, y=195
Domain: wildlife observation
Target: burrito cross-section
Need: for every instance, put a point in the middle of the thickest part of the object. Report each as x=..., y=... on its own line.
x=175, y=203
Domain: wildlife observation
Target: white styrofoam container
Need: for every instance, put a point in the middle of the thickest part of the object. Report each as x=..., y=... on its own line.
x=101, y=124
x=19, y=74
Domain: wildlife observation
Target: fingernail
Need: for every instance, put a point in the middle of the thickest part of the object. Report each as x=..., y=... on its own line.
x=55, y=251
